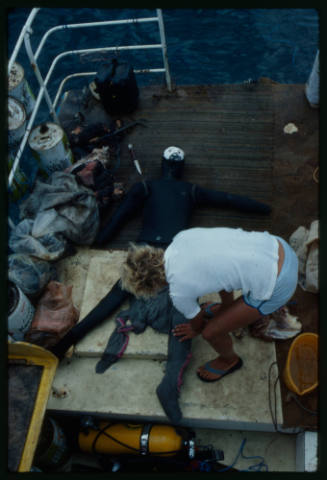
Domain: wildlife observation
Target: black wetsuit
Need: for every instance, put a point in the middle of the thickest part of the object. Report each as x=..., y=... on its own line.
x=159, y=313
x=167, y=208
x=167, y=205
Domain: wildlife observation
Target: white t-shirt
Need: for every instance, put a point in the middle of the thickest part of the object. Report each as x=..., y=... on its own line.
x=200, y=261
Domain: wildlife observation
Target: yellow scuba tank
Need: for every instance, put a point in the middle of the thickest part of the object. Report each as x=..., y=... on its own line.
x=120, y=438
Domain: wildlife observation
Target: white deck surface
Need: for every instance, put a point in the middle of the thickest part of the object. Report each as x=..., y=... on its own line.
x=102, y=275
x=127, y=389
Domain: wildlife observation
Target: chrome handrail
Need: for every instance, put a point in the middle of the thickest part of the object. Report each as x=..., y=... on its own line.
x=43, y=92
x=20, y=40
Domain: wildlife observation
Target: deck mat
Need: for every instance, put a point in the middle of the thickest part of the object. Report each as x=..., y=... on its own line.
x=226, y=132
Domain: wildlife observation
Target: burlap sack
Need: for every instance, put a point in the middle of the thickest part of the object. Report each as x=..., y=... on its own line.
x=55, y=314
x=305, y=242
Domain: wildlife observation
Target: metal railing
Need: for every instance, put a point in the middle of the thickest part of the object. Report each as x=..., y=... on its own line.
x=43, y=83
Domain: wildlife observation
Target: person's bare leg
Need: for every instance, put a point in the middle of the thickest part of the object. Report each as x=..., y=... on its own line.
x=236, y=315
x=227, y=298
x=216, y=333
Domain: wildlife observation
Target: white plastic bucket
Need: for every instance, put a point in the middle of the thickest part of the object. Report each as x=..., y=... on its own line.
x=50, y=146
x=52, y=449
x=19, y=88
x=20, y=312
x=16, y=122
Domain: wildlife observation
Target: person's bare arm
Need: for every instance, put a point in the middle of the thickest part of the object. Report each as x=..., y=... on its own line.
x=196, y=324
x=226, y=297
x=192, y=328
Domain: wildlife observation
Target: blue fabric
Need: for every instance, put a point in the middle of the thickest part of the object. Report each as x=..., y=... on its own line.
x=285, y=284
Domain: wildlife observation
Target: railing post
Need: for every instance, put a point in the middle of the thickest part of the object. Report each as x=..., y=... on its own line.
x=164, y=48
x=19, y=42
x=38, y=75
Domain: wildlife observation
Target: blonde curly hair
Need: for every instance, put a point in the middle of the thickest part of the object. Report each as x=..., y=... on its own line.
x=143, y=272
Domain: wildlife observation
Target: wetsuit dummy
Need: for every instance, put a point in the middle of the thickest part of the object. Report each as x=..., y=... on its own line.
x=167, y=205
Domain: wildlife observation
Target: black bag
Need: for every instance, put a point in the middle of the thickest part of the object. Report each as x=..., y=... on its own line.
x=117, y=87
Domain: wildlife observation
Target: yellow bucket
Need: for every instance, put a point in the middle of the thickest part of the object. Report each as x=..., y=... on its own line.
x=301, y=369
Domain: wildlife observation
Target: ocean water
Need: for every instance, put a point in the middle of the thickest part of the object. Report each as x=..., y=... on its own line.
x=205, y=46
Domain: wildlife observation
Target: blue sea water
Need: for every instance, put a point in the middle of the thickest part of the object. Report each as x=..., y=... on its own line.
x=205, y=46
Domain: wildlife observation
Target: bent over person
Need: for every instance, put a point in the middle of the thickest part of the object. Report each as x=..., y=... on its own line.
x=200, y=261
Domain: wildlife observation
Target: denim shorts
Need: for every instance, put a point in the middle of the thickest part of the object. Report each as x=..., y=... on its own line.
x=285, y=284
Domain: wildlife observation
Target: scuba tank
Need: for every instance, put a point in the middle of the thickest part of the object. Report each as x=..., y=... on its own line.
x=147, y=439
x=116, y=85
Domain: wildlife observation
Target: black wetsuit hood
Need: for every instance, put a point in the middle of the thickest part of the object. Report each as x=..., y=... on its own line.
x=172, y=168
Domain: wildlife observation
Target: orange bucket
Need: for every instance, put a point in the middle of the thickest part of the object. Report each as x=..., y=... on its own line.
x=301, y=369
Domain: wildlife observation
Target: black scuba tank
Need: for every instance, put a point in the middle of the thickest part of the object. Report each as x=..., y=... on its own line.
x=117, y=87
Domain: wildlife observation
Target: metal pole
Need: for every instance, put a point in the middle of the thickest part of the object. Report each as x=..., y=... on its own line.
x=90, y=24
x=38, y=75
x=11, y=223
x=21, y=37
x=164, y=48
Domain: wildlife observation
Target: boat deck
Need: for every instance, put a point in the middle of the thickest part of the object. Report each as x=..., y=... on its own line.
x=234, y=141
